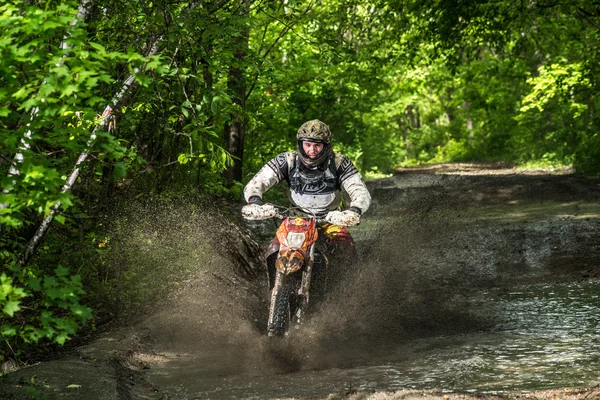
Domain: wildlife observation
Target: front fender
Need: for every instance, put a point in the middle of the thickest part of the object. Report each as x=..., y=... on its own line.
x=290, y=261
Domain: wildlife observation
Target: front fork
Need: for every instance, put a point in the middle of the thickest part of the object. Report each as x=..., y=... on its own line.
x=304, y=290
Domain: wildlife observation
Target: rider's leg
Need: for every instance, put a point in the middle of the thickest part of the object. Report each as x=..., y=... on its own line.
x=337, y=244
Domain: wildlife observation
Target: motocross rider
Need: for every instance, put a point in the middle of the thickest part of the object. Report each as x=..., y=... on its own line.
x=316, y=176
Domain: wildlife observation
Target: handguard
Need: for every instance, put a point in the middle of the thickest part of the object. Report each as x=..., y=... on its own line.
x=256, y=212
x=346, y=218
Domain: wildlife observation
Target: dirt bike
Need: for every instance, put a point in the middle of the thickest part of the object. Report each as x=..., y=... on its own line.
x=293, y=272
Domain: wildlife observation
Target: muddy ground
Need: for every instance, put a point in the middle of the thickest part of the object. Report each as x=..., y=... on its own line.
x=433, y=235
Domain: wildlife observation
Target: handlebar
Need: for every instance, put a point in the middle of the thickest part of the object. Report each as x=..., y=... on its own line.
x=289, y=212
x=268, y=211
x=317, y=220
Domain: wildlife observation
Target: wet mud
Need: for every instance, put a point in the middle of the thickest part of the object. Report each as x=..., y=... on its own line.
x=434, y=238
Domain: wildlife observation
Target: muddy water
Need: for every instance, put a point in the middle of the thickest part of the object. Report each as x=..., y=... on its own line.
x=435, y=304
x=544, y=336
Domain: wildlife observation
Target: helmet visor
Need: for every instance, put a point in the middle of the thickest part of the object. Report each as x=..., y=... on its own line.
x=312, y=140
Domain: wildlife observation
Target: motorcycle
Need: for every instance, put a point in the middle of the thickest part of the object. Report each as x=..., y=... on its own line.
x=292, y=273
x=294, y=264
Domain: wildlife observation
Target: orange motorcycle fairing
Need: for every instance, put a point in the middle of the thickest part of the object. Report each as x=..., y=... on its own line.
x=295, y=236
x=289, y=225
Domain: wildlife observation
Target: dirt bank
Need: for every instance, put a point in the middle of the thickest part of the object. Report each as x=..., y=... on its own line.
x=434, y=238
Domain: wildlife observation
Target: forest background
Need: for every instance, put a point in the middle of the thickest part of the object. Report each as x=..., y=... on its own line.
x=104, y=99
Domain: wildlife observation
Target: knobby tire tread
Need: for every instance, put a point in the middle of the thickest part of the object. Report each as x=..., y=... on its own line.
x=281, y=309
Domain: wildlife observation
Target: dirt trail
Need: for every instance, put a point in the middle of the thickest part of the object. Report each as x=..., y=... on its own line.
x=433, y=235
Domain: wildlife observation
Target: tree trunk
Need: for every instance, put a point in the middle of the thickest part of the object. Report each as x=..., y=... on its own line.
x=235, y=129
x=468, y=122
x=413, y=116
x=45, y=225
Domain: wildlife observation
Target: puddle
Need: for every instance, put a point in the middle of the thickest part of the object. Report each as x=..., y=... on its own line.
x=544, y=337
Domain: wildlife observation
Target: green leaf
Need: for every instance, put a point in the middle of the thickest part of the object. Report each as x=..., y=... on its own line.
x=61, y=271
x=182, y=159
x=120, y=170
x=11, y=307
x=98, y=47
x=49, y=282
x=8, y=331
x=35, y=284
x=214, y=105
x=61, y=338
x=69, y=90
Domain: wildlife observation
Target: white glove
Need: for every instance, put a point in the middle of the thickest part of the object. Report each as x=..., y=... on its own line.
x=257, y=211
x=347, y=218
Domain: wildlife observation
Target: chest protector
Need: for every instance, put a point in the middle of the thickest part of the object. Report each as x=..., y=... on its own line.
x=305, y=181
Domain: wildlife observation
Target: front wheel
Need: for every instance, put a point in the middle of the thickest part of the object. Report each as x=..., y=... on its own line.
x=280, y=310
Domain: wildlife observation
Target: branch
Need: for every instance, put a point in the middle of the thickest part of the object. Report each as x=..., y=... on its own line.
x=218, y=6
x=8, y=160
x=588, y=17
x=285, y=30
x=185, y=91
x=537, y=5
x=264, y=35
x=289, y=27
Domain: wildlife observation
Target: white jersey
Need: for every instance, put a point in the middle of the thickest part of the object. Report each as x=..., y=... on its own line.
x=317, y=190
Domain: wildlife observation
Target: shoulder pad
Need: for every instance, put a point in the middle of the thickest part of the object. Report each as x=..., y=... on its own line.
x=291, y=158
x=346, y=168
x=339, y=159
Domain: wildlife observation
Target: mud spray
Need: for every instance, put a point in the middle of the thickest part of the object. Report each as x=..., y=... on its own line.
x=423, y=252
x=207, y=287
x=202, y=284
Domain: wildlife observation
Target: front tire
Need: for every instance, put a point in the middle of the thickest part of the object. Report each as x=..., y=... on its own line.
x=280, y=310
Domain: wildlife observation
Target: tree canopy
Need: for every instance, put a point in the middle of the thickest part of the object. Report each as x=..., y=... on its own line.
x=104, y=96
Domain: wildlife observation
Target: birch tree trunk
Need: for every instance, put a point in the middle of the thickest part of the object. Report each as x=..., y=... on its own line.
x=127, y=86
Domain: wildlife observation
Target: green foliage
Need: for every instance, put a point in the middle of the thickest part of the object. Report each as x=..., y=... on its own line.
x=587, y=155
x=552, y=117
x=50, y=102
x=435, y=82
x=55, y=83
x=53, y=311
x=10, y=296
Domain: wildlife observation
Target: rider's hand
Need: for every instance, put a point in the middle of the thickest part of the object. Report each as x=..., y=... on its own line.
x=347, y=217
x=258, y=211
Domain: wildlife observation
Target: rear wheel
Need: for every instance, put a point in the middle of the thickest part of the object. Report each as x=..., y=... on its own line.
x=280, y=311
